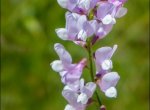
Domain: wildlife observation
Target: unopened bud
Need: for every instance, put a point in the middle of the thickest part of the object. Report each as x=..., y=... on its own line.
x=103, y=107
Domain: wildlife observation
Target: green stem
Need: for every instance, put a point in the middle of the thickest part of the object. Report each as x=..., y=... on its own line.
x=98, y=98
x=90, y=61
x=91, y=69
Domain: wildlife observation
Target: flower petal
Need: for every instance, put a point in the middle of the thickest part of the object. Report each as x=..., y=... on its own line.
x=111, y=92
x=62, y=33
x=108, y=19
x=57, y=66
x=109, y=80
x=69, y=107
x=63, y=3
x=82, y=98
x=121, y=12
x=63, y=54
x=104, y=9
x=89, y=89
x=102, y=54
x=84, y=4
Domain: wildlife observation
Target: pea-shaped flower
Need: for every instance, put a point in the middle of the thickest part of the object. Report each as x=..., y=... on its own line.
x=69, y=72
x=108, y=11
x=77, y=29
x=107, y=80
x=78, y=6
x=78, y=99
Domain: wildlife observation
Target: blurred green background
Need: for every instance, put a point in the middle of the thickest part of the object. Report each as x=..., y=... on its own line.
x=27, y=39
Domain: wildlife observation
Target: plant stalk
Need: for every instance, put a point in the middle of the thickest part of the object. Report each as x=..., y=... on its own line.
x=89, y=47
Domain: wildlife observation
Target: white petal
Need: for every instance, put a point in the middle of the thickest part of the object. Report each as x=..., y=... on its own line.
x=63, y=3
x=62, y=33
x=82, y=98
x=84, y=4
x=108, y=19
x=82, y=35
x=100, y=30
x=67, y=88
x=121, y=12
x=111, y=92
x=81, y=83
x=107, y=64
x=57, y=66
x=69, y=107
x=113, y=21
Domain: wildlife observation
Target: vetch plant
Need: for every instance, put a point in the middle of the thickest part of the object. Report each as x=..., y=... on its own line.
x=87, y=21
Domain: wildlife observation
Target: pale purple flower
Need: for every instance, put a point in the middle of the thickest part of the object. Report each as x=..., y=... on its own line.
x=78, y=6
x=77, y=29
x=108, y=11
x=103, y=58
x=69, y=72
x=107, y=83
x=122, y=1
x=108, y=80
x=100, y=30
x=78, y=98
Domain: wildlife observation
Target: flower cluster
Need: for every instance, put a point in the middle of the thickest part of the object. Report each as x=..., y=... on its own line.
x=87, y=18
x=87, y=21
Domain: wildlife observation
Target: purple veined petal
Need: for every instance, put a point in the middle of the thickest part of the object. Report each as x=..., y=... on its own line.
x=78, y=27
x=62, y=33
x=111, y=1
x=104, y=53
x=72, y=97
x=72, y=77
x=123, y=1
x=109, y=80
x=89, y=28
x=72, y=4
x=81, y=20
x=63, y=73
x=101, y=55
x=89, y=89
x=81, y=83
x=75, y=73
x=84, y=4
x=111, y=92
x=75, y=86
x=63, y=3
x=71, y=25
x=121, y=12
x=108, y=19
x=81, y=43
x=93, y=3
x=103, y=30
x=63, y=54
x=104, y=9
x=94, y=24
x=82, y=35
x=71, y=19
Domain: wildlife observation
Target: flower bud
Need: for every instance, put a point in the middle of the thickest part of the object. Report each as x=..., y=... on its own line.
x=102, y=107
